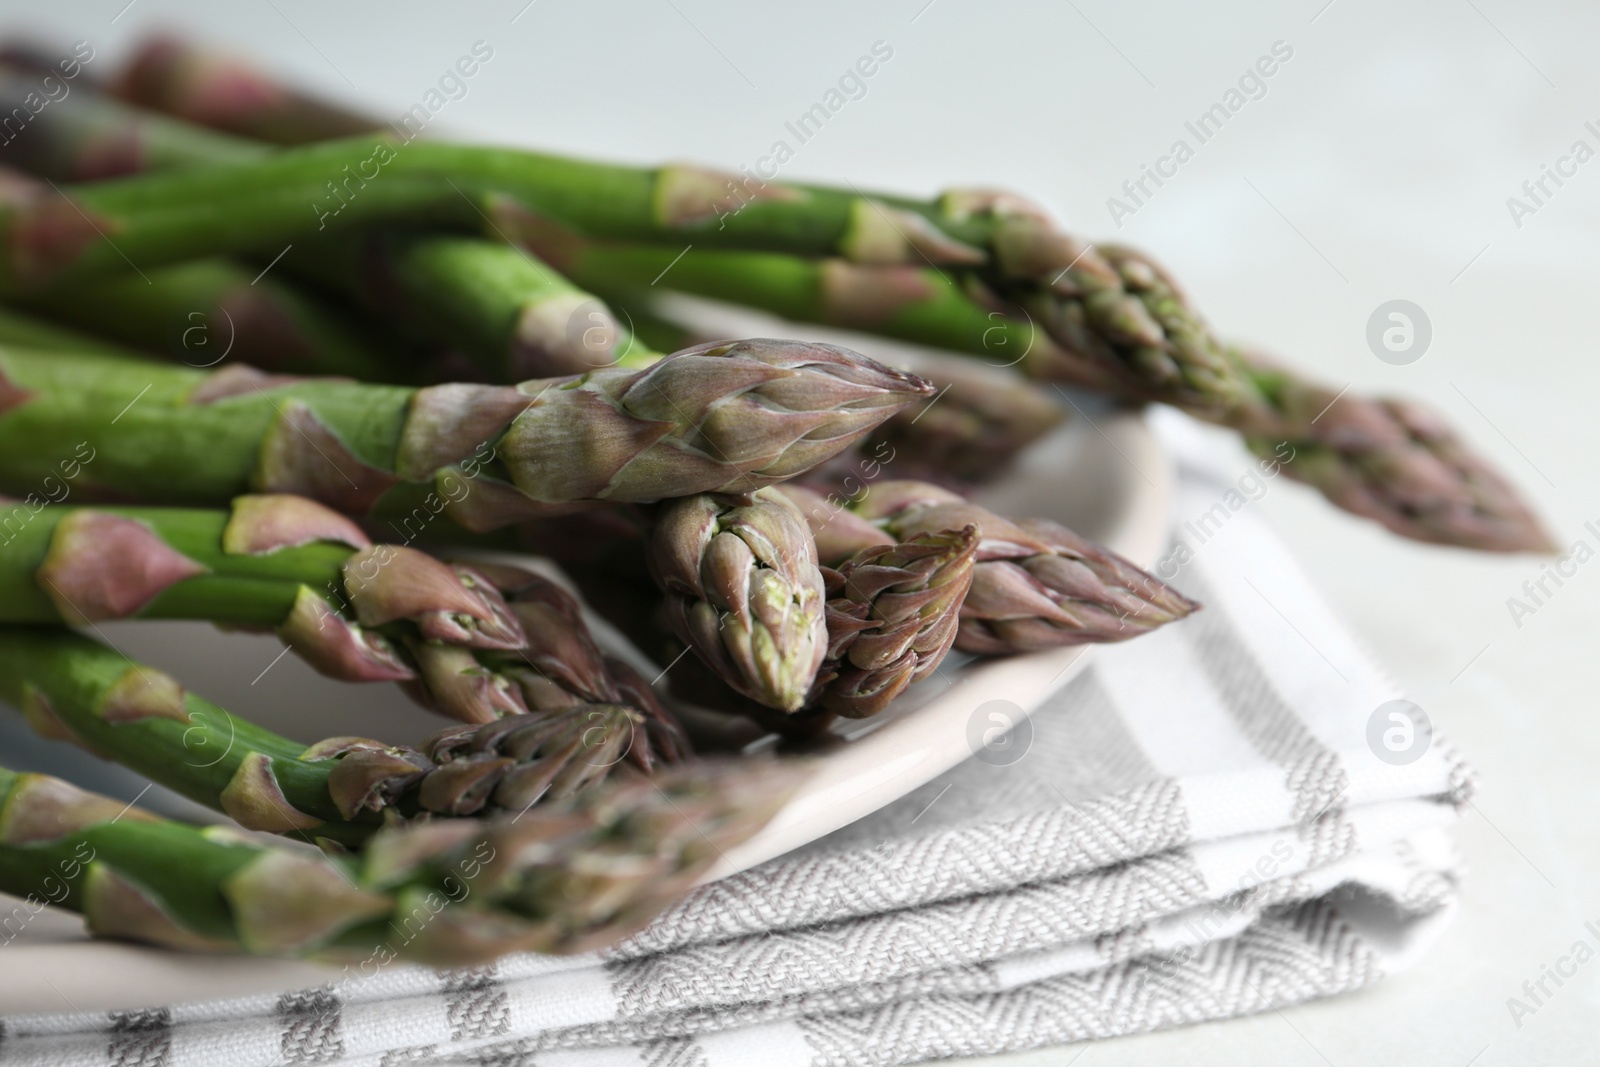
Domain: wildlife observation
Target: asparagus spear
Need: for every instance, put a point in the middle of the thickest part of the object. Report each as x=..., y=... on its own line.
x=978, y=422
x=167, y=217
x=744, y=592
x=26, y=331
x=347, y=606
x=1035, y=584
x=1388, y=460
x=221, y=91
x=739, y=582
x=893, y=612
x=725, y=417
x=1116, y=318
x=511, y=314
x=515, y=317
x=87, y=136
x=914, y=303
x=567, y=878
x=562, y=665
x=214, y=309
x=729, y=567
x=205, y=311
x=73, y=688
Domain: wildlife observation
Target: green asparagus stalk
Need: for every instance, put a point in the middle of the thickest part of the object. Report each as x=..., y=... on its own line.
x=729, y=417
x=348, y=607
x=919, y=304
x=87, y=136
x=916, y=303
x=223, y=92
x=1035, y=584
x=893, y=612
x=513, y=316
x=72, y=688
x=18, y=330
x=163, y=218
x=199, y=312
x=744, y=592
x=205, y=311
x=1388, y=460
x=214, y=309
x=565, y=878
x=1109, y=317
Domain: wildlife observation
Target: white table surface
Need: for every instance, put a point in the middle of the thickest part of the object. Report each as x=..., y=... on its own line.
x=1377, y=166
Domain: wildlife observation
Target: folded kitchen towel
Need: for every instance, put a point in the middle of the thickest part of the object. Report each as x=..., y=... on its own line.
x=1230, y=815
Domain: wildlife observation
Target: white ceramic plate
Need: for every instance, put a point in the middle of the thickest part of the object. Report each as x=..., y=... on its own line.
x=1102, y=474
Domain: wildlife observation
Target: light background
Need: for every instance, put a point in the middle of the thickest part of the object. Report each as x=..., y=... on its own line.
x=1377, y=166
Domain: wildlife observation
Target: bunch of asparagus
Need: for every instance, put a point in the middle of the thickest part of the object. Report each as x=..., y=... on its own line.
x=265, y=364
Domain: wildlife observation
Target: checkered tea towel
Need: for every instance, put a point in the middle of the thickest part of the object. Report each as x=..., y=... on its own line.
x=1233, y=814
